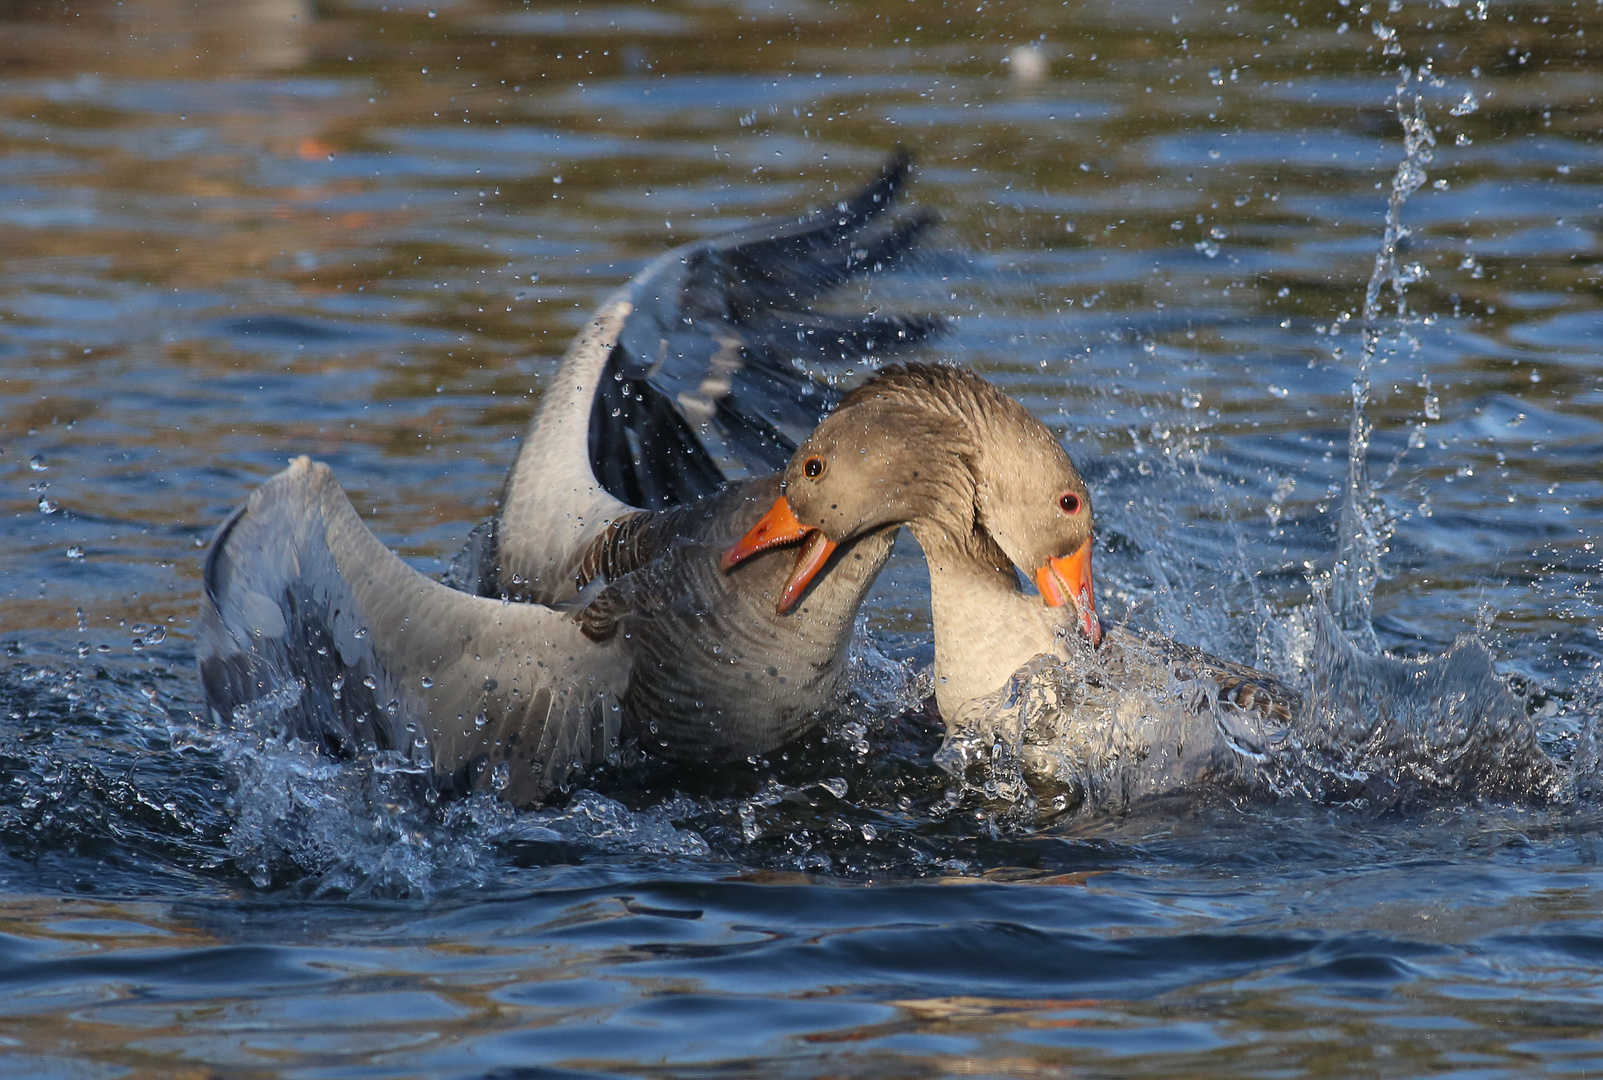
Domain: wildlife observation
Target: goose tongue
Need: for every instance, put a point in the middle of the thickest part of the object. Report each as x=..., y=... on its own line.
x=1067, y=579
x=777, y=528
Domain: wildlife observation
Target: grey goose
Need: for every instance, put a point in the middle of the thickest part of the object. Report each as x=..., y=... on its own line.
x=591, y=614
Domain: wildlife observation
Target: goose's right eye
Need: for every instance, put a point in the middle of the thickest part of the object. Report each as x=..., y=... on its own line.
x=813, y=468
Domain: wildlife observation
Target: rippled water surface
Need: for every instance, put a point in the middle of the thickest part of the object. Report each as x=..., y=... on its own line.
x=232, y=233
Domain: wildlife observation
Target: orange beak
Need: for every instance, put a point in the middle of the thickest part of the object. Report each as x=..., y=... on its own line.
x=1067, y=579
x=777, y=528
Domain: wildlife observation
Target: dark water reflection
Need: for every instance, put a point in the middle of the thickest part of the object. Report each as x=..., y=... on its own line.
x=236, y=232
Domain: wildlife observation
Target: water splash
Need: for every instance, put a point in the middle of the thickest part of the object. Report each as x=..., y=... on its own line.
x=376, y=826
x=1374, y=732
x=879, y=685
x=1365, y=527
x=1380, y=733
x=1104, y=731
x=1109, y=731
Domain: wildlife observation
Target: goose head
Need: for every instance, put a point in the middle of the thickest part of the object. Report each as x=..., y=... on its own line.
x=877, y=465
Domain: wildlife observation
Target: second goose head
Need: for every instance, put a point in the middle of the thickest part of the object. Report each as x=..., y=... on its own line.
x=965, y=466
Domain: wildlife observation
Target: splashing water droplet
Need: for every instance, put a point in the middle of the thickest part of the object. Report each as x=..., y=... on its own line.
x=37, y=463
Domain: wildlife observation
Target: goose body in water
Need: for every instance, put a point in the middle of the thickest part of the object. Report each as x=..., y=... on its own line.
x=984, y=488
x=591, y=615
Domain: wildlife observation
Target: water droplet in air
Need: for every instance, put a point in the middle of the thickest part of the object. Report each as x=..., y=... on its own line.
x=1027, y=64
x=48, y=506
x=75, y=552
x=37, y=463
x=501, y=775
x=427, y=682
x=835, y=785
x=370, y=682
x=361, y=632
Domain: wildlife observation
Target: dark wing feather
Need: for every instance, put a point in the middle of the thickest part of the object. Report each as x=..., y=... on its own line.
x=717, y=346
x=641, y=448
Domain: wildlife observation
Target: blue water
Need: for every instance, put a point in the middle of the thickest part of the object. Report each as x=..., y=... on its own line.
x=363, y=231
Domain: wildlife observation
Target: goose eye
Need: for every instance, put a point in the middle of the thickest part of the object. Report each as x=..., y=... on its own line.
x=1070, y=502
x=813, y=468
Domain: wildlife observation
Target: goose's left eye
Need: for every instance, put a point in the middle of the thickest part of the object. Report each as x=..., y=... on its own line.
x=813, y=468
x=1070, y=502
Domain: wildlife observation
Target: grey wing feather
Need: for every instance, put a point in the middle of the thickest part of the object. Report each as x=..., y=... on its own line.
x=311, y=624
x=1246, y=688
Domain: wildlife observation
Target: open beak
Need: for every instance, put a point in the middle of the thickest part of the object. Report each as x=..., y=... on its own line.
x=1067, y=579
x=777, y=528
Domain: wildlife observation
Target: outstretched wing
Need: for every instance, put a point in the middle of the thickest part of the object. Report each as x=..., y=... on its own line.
x=312, y=624
x=698, y=363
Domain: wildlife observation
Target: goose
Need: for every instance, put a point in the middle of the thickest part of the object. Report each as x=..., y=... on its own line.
x=590, y=616
x=985, y=488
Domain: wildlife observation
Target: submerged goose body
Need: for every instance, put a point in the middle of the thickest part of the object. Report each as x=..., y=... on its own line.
x=984, y=488
x=591, y=614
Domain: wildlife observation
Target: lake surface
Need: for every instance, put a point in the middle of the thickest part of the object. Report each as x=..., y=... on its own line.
x=233, y=233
